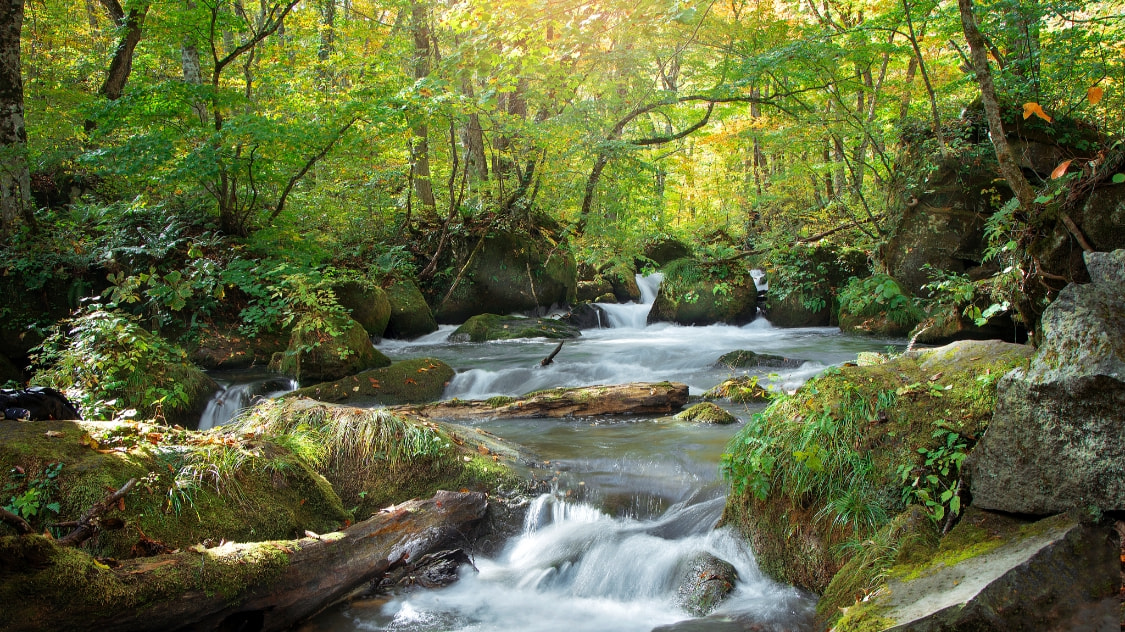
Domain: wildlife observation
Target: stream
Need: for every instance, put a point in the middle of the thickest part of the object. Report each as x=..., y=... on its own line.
x=633, y=499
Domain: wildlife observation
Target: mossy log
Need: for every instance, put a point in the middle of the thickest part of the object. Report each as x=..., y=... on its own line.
x=637, y=398
x=262, y=586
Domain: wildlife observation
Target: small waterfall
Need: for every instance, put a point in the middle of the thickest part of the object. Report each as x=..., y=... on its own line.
x=235, y=397
x=634, y=315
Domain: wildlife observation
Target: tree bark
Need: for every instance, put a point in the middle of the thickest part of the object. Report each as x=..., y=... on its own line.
x=132, y=24
x=419, y=146
x=270, y=585
x=638, y=398
x=1009, y=167
x=15, y=175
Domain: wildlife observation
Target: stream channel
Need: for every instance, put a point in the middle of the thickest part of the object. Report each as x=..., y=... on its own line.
x=634, y=498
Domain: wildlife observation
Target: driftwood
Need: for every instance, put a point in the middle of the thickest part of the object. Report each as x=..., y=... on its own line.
x=259, y=586
x=87, y=525
x=638, y=398
x=551, y=358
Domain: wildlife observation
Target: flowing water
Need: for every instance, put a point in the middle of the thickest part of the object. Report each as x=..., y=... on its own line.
x=633, y=500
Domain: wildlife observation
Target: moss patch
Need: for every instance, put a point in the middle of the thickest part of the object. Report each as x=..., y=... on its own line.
x=317, y=354
x=707, y=413
x=740, y=390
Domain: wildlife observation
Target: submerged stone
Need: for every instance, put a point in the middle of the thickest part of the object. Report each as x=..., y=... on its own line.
x=743, y=359
x=704, y=584
x=485, y=327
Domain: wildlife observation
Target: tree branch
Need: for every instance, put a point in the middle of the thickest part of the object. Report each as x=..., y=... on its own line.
x=309, y=165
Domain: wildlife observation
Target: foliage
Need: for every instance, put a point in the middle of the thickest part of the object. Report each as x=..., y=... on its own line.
x=978, y=301
x=936, y=483
x=31, y=497
x=879, y=294
x=108, y=363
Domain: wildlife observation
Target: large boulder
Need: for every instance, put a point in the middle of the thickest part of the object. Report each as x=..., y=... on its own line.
x=495, y=327
x=367, y=303
x=692, y=293
x=804, y=280
x=319, y=352
x=998, y=573
x=508, y=271
x=1057, y=440
x=410, y=315
x=405, y=382
x=665, y=250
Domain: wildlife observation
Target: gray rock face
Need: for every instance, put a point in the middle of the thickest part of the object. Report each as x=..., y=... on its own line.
x=1057, y=574
x=1057, y=439
x=705, y=583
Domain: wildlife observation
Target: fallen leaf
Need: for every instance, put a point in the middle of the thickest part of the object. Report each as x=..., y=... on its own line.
x=1094, y=95
x=121, y=504
x=1036, y=109
x=89, y=441
x=54, y=434
x=1060, y=170
x=409, y=380
x=482, y=449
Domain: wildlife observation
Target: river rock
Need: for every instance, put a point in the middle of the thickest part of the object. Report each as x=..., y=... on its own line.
x=804, y=282
x=704, y=584
x=508, y=271
x=704, y=301
x=318, y=355
x=586, y=316
x=740, y=390
x=367, y=303
x=484, y=327
x=998, y=573
x=410, y=315
x=743, y=359
x=707, y=413
x=1057, y=439
x=408, y=381
x=665, y=250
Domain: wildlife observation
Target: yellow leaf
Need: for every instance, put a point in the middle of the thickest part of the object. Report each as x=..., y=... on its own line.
x=1036, y=109
x=1060, y=170
x=1094, y=94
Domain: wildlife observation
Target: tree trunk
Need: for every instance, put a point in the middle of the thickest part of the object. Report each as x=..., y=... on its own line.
x=15, y=175
x=1009, y=167
x=637, y=398
x=419, y=146
x=260, y=586
x=122, y=63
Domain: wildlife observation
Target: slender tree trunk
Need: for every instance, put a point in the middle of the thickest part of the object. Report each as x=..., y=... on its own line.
x=122, y=64
x=935, y=116
x=419, y=146
x=1009, y=167
x=15, y=175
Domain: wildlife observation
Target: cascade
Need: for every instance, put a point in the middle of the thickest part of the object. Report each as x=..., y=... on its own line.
x=634, y=315
x=235, y=397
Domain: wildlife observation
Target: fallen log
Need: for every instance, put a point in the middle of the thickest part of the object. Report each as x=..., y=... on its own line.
x=637, y=398
x=261, y=586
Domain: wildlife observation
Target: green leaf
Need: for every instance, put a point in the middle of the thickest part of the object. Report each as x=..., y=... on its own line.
x=1118, y=178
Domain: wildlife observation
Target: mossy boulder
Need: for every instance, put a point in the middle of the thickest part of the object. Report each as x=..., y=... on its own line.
x=707, y=413
x=405, y=382
x=665, y=250
x=804, y=281
x=704, y=584
x=745, y=359
x=946, y=323
x=997, y=572
x=508, y=271
x=320, y=351
x=692, y=294
x=193, y=486
x=483, y=327
x=740, y=390
x=825, y=466
x=410, y=315
x=367, y=303
x=874, y=325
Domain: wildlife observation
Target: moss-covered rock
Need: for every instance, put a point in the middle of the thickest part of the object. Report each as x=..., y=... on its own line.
x=410, y=315
x=740, y=390
x=483, y=327
x=874, y=325
x=693, y=293
x=996, y=572
x=826, y=466
x=227, y=348
x=406, y=382
x=665, y=250
x=707, y=413
x=804, y=280
x=704, y=584
x=743, y=359
x=367, y=303
x=508, y=271
x=319, y=352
